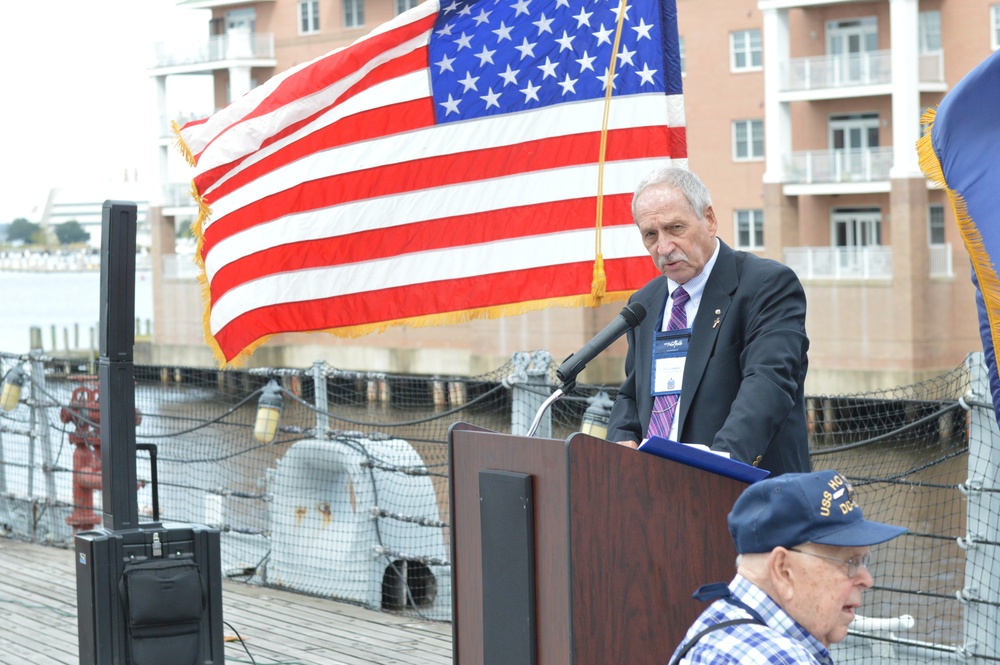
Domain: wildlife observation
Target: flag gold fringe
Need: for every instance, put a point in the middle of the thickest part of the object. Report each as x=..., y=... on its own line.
x=181, y=146
x=431, y=320
x=197, y=229
x=986, y=274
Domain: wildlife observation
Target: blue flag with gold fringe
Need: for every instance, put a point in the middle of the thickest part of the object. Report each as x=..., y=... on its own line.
x=961, y=152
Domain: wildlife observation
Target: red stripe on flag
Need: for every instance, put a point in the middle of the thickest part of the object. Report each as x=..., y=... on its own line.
x=374, y=124
x=425, y=299
x=326, y=71
x=387, y=180
x=678, y=143
x=442, y=233
x=362, y=126
x=339, y=65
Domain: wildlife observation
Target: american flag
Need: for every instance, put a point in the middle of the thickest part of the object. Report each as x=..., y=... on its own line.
x=449, y=165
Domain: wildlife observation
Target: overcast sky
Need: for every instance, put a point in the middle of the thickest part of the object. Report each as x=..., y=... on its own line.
x=77, y=104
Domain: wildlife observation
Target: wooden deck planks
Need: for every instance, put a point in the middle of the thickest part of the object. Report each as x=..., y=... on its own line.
x=38, y=621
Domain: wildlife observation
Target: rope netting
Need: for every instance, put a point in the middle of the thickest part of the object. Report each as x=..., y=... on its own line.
x=350, y=499
x=905, y=452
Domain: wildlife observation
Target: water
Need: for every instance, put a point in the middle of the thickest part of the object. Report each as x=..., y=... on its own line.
x=62, y=299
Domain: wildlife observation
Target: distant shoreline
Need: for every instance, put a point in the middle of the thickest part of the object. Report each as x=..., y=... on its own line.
x=60, y=261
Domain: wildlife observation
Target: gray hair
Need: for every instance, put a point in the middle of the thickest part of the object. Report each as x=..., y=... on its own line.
x=688, y=183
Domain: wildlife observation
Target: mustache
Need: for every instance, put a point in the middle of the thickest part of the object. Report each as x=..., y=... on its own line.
x=673, y=257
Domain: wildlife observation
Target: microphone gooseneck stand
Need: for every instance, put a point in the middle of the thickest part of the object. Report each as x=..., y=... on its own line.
x=628, y=319
x=549, y=401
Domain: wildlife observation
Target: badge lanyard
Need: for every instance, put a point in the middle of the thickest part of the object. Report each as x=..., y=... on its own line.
x=670, y=349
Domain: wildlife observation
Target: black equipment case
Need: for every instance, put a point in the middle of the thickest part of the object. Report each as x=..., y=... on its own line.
x=150, y=595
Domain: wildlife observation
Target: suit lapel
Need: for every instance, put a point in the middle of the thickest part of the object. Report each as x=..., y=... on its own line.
x=654, y=305
x=715, y=302
x=657, y=298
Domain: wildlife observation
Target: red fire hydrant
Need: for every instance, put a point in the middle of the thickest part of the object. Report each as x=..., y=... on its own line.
x=84, y=411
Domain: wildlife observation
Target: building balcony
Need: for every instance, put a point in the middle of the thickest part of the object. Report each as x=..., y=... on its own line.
x=810, y=167
x=211, y=4
x=177, y=195
x=792, y=4
x=858, y=263
x=236, y=48
x=940, y=260
x=864, y=263
x=180, y=267
x=852, y=75
x=830, y=172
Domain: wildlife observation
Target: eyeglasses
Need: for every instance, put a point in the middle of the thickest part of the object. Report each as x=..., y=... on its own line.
x=854, y=564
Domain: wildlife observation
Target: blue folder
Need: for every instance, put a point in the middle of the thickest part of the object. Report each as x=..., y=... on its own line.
x=702, y=459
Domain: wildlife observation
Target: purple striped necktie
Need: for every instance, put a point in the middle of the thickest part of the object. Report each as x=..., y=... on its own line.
x=664, y=406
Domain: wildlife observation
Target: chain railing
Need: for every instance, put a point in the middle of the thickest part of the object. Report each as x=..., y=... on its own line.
x=350, y=498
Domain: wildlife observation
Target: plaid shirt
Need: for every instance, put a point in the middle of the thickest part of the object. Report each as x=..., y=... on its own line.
x=781, y=641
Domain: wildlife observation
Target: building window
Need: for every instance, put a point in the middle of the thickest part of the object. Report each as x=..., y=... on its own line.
x=930, y=32
x=856, y=227
x=354, y=13
x=750, y=229
x=240, y=20
x=852, y=50
x=935, y=223
x=748, y=140
x=744, y=50
x=308, y=16
x=995, y=26
x=680, y=52
x=406, y=5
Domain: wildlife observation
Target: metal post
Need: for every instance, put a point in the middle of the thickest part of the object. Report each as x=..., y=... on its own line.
x=3, y=465
x=322, y=406
x=530, y=388
x=981, y=593
x=40, y=426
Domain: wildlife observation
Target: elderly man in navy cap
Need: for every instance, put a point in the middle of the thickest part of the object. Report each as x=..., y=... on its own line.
x=803, y=547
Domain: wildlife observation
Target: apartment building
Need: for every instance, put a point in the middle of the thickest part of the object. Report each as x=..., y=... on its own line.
x=802, y=119
x=805, y=131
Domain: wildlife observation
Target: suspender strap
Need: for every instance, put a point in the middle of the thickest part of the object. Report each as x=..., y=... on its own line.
x=707, y=593
x=694, y=640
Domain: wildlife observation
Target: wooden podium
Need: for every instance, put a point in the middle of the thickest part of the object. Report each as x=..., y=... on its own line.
x=578, y=552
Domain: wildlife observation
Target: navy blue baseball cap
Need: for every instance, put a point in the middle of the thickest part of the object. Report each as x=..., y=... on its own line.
x=797, y=508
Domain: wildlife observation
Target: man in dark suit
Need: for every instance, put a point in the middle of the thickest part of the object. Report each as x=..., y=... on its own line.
x=741, y=380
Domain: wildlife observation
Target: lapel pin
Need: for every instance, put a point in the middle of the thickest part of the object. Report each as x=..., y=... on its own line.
x=715, y=324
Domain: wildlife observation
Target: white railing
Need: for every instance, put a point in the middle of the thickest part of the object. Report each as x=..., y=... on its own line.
x=837, y=71
x=177, y=195
x=826, y=166
x=233, y=46
x=931, y=68
x=873, y=262
x=940, y=260
x=180, y=266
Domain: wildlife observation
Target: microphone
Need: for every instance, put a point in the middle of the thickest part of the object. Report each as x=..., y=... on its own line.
x=629, y=318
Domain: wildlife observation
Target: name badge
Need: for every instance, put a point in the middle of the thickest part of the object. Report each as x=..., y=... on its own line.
x=670, y=349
